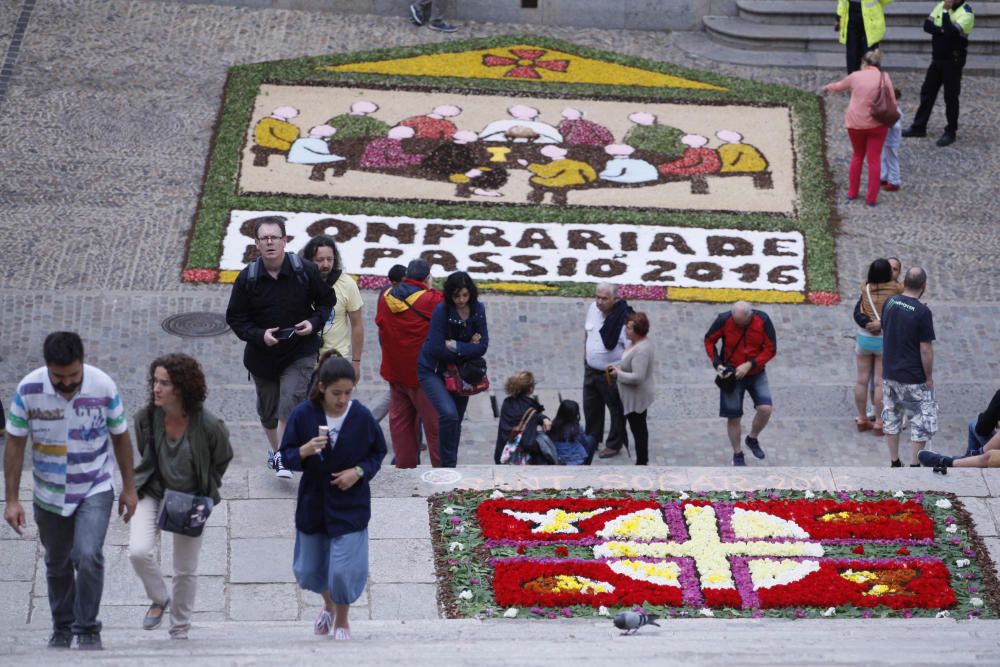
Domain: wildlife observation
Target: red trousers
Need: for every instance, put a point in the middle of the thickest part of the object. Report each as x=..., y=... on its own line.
x=408, y=407
x=866, y=144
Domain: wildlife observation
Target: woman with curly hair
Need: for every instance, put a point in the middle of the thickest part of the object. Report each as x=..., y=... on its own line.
x=186, y=448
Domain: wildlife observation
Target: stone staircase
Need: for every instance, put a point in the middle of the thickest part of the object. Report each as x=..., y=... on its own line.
x=800, y=33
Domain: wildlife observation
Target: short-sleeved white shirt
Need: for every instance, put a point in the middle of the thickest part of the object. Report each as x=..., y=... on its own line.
x=70, y=445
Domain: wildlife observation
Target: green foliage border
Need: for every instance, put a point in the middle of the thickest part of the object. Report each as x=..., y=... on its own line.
x=815, y=219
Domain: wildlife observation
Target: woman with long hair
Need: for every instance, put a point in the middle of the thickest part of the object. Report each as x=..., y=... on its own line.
x=866, y=133
x=182, y=447
x=344, y=330
x=457, y=334
x=573, y=445
x=339, y=448
x=636, y=382
x=875, y=291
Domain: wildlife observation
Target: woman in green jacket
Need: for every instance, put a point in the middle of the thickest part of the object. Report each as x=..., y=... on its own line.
x=192, y=452
x=861, y=24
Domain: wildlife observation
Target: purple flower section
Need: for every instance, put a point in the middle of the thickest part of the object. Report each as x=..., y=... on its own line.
x=724, y=516
x=690, y=585
x=673, y=515
x=744, y=583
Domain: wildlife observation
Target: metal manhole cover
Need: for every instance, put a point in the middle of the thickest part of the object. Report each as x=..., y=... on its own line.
x=195, y=325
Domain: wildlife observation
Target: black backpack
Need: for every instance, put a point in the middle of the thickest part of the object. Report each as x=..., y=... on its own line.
x=298, y=268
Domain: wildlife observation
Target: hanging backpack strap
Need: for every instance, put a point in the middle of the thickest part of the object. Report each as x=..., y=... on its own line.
x=298, y=270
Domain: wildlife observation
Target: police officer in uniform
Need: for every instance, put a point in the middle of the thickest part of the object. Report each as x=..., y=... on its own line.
x=861, y=24
x=949, y=24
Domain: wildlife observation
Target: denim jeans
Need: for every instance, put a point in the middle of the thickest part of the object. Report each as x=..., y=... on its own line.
x=976, y=441
x=74, y=562
x=451, y=411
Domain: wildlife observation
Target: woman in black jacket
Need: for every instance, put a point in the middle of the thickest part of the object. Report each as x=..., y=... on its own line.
x=519, y=388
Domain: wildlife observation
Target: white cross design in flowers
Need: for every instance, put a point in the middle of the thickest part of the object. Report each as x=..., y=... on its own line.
x=644, y=534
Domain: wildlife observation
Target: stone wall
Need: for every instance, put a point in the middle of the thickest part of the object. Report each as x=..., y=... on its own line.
x=608, y=14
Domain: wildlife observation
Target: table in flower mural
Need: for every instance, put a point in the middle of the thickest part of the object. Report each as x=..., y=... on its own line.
x=780, y=553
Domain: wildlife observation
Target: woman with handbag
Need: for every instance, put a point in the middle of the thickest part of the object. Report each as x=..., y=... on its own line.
x=519, y=387
x=184, y=449
x=868, y=350
x=458, y=336
x=339, y=448
x=636, y=383
x=871, y=95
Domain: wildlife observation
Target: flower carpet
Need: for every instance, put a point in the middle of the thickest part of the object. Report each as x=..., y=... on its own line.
x=568, y=553
x=539, y=166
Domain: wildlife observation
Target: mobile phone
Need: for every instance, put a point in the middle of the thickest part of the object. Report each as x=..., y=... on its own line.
x=284, y=334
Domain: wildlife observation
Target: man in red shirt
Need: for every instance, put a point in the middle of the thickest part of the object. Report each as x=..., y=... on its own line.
x=748, y=343
x=403, y=317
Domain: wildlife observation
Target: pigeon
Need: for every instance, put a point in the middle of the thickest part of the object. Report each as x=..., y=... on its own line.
x=631, y=621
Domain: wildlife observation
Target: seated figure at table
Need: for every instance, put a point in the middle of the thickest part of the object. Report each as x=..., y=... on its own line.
x=558, y=176
x=388, y=152
x=466, y=163
x=622, y=168
x=523, y=127
x=436, y=124
x=313, y=149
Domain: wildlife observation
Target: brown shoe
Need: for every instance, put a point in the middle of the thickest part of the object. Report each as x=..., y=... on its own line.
x=607, y=453
x=862, y=424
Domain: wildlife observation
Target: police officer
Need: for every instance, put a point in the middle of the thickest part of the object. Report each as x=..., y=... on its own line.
x=949, y=24
x=861, y=24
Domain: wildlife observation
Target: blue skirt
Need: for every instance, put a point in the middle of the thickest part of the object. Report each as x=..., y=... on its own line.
x=334, y=565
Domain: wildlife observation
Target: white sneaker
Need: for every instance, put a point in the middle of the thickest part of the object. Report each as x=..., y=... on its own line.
x=281, y=472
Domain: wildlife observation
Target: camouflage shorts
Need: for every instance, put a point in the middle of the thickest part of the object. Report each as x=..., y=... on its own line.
x=915, y=400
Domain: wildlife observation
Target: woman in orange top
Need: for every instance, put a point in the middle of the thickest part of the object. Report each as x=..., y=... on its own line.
x=868, y=351
x=867, y=134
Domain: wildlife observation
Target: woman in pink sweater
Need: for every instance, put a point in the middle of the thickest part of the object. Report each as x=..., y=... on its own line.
x=867, y=134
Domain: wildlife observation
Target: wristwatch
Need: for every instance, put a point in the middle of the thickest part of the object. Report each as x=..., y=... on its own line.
x=360, y=471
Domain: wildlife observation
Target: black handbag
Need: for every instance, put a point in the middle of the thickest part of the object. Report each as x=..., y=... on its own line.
x=180, y=512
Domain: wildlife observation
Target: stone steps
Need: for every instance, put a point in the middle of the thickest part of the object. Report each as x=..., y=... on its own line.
x=570, y=641
x=772, y=36
x=810, y=12
x=800, y=33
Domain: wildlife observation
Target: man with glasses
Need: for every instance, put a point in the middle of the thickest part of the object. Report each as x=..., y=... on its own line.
x=278, y=304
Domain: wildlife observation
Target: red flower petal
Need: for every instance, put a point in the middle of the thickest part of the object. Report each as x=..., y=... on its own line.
x=524, y=73
x=528, y=54
x=491, y=60
x=554, y=65
x=860, y=549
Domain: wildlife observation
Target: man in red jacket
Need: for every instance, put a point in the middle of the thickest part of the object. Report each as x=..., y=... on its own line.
x=748, y=343
x=403, y=317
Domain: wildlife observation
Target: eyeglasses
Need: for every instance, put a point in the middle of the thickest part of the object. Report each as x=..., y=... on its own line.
x=271, y=239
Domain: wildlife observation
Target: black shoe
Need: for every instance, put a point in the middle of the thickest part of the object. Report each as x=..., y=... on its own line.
x=754, y=446
x=896, y=464
x=947, y=139
x=739, y=461
x=89, y=641
x=441, y=26
x=61, y=640
x=939, y=462
x=914, y=132
x=417, y=14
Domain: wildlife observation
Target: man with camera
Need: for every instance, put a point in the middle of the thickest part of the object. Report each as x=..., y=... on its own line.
x=748, y=343
x=278, y=304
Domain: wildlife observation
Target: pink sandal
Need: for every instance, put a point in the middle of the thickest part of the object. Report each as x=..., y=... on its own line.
x=341, y=634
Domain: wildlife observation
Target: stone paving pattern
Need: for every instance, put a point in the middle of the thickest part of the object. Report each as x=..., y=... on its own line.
x=106, y=126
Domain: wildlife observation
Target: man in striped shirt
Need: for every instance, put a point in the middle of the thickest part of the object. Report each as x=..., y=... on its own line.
x=74, y=415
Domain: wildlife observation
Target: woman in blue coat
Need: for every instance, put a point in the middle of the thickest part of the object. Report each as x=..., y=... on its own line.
x=457, y=334
x=334, y=501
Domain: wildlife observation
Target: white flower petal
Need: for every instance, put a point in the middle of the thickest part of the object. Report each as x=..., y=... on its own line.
x=466, y=594
x=942, y=614
x=448, y=510
x=497, y=494
x=603, y=611
x=976, y=602
x=706, y=612
x=510, y=613
x=455, y=546
x=830, y=612
x=809, y=494
x=899, y=494
x=944, y=504
x=953, y=528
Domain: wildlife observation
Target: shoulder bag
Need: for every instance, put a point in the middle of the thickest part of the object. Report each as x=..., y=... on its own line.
x=181, y=513
x=883, y=110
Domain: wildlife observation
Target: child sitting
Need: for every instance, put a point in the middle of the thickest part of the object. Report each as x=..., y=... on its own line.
x=573, y=445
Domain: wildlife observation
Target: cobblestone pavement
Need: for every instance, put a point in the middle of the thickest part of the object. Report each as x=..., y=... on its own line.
x=107, y=124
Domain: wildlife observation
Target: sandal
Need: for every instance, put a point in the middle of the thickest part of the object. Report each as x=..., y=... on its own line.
x=341, y=634
x=862, y=424
x=879, y=428
x=151, y=622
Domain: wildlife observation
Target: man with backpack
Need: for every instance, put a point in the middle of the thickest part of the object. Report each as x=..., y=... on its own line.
x=403, y=318
x=278, y=305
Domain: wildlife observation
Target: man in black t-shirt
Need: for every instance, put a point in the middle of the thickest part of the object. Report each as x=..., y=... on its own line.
x=907, y=367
